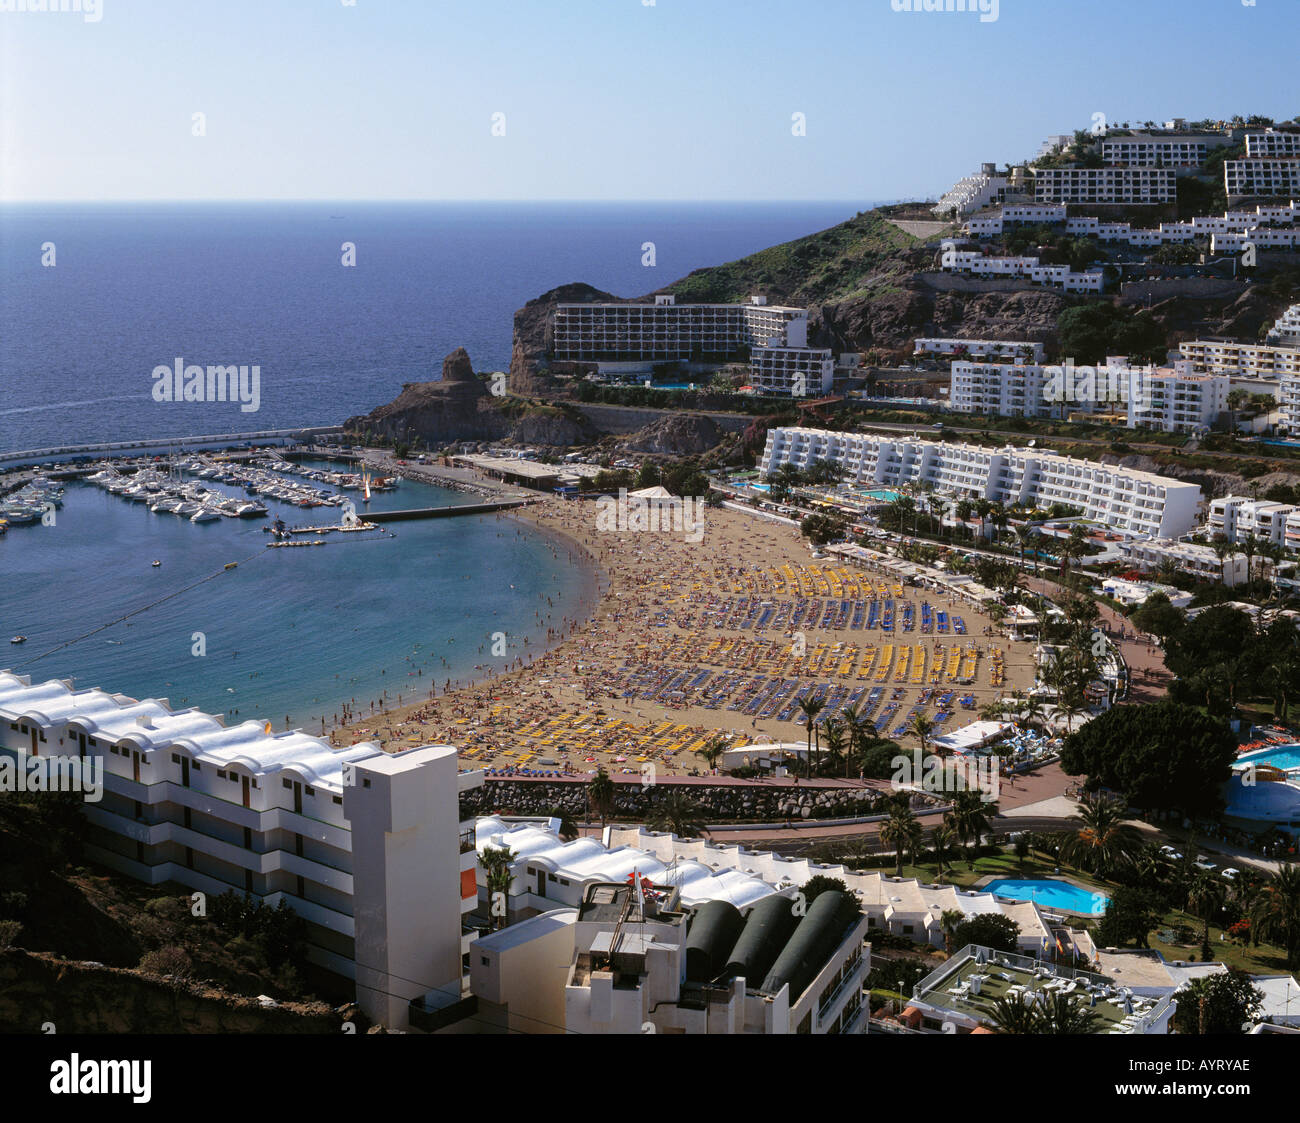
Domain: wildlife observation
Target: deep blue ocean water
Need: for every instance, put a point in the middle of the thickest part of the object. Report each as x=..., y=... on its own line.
x=137, y=286
x=293, y=633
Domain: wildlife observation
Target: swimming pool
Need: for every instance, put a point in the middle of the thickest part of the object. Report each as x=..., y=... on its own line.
x=1288, y=756
x=1051, y=894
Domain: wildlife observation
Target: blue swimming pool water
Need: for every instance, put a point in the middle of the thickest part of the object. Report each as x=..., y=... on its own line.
x=1051, y=894
x=1286, y=757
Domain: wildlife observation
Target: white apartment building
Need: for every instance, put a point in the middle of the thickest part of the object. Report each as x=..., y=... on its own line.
x=631, y=960
x=1029, y=268
x=1272, y=144
x=1254, y=360
x=1286, y=332
x=1261, y=237
x=1030, y=214
x=364, y=845
x=798, y=371
x=1237, y=518
x=1128, y=187
x=1257, y=176
x=1142, y=150
x=1128, y=500
x=972, y=193
x=666, y=331
x=1200, y=561
x=981, y=348
x=1173, y=401
x=1002, y=389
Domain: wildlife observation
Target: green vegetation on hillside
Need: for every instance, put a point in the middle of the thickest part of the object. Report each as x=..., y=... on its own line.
x=825, y=266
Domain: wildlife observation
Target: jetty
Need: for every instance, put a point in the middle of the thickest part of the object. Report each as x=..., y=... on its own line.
x=446, y=512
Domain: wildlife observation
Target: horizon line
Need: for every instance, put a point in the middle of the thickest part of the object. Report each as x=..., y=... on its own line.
x=339, y=201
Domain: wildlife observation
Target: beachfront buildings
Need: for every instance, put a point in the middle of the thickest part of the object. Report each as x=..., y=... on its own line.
x=634, y=336
x=364, y=845
x=1123, y=498
x=1257, y=175
x=1113, y=187
x=1151, y=554
x=1238, y=518
x=1003, y=389
x=1250, y=360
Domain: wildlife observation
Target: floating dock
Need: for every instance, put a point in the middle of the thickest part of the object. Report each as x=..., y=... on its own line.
x=446, y=512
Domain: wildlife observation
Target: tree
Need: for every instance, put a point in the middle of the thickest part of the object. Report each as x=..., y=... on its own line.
x=921, y=727
x=1105, y=843
x=1275, y=913
x=944, y=843
x=815, y=886
x=713, y=749
x=969, y=818
x=988, y=929
x=1217, y=1004
x=1014, y=1014
x=1205, y=897
x=1130, y=914
x=568, y=828
x=1063, y=1013
x=496, y=862
x=810, y=707
x=834, y=732
x=1158, y=617
x=820, y=528
x=1162, y=755
x=900, y=830
x=600, y=795
x=676, y=814
x=949, y=921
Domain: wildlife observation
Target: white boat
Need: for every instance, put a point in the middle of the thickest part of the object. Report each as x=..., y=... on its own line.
x=187, y=508
x=205, y=515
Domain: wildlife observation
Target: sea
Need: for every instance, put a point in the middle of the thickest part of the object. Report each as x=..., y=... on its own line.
x=93, y=298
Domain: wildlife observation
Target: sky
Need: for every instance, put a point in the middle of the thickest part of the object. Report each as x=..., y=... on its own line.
x=598, y=99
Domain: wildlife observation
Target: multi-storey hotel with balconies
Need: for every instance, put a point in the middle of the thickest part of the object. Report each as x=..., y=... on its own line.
x=1143, y=150
x=364, y=845
x=1128, y=500
x=667, y=331
x=1261, y=176
x=1272, y=143
x=1111, y=187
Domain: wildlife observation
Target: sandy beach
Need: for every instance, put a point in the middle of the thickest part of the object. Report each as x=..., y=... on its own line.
x=669, y=617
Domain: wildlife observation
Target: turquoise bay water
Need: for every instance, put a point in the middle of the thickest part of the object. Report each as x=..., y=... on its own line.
x=288, y=633
x=1050, y=894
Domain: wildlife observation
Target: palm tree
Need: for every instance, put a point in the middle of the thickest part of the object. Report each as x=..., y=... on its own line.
x=1105, y=842
x=969, y=818
x=496, y=862
x=854, y=724
x=1025, y=536
x=944, y=843
x=713, y=748
x=1014, y=1015
x=1066, y=1014
x=982, y=508
x=834, y=732
x=964, y=509
x=1275, y=913
x=600, y=795
x=948, y=921
x=568, y=829
x=899, y=831
x=1205, y=897
x=1250, y=547
x=921, y=728
x=676, y=814
x=810, y=707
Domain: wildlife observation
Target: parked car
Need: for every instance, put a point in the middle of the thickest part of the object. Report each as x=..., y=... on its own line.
x=1170, y=853
x=1202, y=864
x=1230, y=873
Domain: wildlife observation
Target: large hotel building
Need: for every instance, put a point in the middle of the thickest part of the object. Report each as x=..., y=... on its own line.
x=1127, y=500
x=366, y=846
x=632, y=335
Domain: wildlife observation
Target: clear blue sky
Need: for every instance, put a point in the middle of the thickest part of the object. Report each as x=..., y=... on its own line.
x=603, y=99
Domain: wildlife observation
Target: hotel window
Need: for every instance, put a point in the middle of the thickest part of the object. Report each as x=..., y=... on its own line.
x=286, y=784
x=176, y=758
x=308, y=790
x=221, y=775
x=338, y=799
